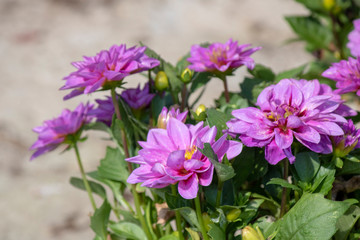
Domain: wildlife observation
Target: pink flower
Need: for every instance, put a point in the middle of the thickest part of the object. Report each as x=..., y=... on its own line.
x=138, y=98
x=107, y=68
x=57, y=131
x=347, y=142
x=346, y=74
x=165, y=115
x=219, y=57
x=104, y=112
x=354, y=39
x=172, y=156
x=305, y=110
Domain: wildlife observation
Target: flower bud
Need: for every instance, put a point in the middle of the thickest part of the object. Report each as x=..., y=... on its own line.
x=161, y=81
x=248, y=233
x=329, y=4
x=201, y=108
x=233, y=215
x=165, y=115
x=186, y=75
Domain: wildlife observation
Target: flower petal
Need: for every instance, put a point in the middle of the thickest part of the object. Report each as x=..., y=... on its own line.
x=189, y=188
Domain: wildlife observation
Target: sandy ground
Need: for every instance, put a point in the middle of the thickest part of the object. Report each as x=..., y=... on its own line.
x=39, y=39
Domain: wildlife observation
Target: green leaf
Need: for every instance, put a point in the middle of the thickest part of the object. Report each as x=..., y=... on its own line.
x=224, y=172
x=252, y=87
x=216, y=232
x=199, y=80
x=169, y=237
x=314, y=5
x=175, y=83
x=100, y=219
x=97, y=126
x=194, y=235
x=324, y=179
x=218, y=119
x=262, y=72
x=243, y=165
x=350, y=167
x=189, y=215
x=113, y=166
x=292, y=73
x=283, y=183
x=176, y=202
x=128, y=230
x=95, y=187
x=347, y=222
x=307, y=165
x=312, y=217
x=310, y=30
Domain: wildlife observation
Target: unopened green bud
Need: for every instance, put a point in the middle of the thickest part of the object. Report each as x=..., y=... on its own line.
x=248, y=233
x=186, y=75
x=161, y=81
x=233, y=215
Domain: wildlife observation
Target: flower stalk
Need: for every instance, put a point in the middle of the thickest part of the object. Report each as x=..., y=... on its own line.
x=219, y=192
x=284, y=190
x=177, y=215
x=83, y=175
x=200, y=219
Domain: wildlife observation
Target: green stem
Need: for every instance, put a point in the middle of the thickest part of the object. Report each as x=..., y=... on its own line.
x=226, y=90
x=200, y=219
x=284, y=191
x=127, y=155
x=219, y=192
x=183, y=98
x=83, y=175
x=177, y=215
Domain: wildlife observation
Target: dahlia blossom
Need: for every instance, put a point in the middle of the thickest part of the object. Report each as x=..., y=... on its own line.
x=107, y=67
x=347, y=142
x=306, y=110
x=165, y=115
x=346, y=74
x=138, y=98
x=172, y=156
x=354, y=39
x=56, y=131
x=104, y=112
x=220, y=57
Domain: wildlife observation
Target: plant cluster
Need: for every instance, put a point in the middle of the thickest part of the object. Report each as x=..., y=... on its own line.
x=278, y=160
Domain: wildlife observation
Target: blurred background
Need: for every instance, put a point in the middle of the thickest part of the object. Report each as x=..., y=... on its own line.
x=38, y=41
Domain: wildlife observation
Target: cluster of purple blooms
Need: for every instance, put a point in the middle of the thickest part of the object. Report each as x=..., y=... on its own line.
x=306, y=111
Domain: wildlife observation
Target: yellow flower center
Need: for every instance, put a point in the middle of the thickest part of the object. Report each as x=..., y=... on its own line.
x=190, y=152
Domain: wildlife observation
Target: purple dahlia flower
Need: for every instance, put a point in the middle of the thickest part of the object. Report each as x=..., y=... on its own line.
x=55, y=132
x=346, y=74
x=219, y=57
x=165, y=115
x=347, y=142
x=107, y=66
x=172, y=156
x=354, y=39
x=138, y=98
x=104, y=112
x=306, y=110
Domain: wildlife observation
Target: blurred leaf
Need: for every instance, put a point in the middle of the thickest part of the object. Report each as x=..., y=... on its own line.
x=200, y=79
x=312, y=217
x=292, y=73
x=194, y=235
x=95, y=187
x=97, y=126
x=100, y=219
x=314, y=5
x=216, y=232
x=189, y=215
x=262, y=72
x=283, y=183
x=243, y=165
x=176, y=202
x=128, y=230
x=252, y=87
x=175, y=83
x=224, y=172
x=113, y=166
x=349, y=168
x=311, y=31
x=347, y=222
x=307, y=165
x=169, y=237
